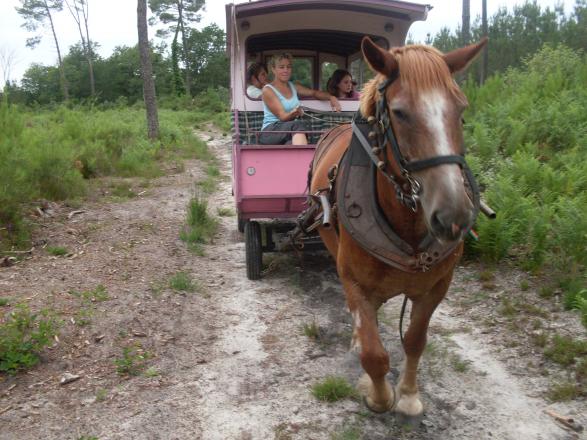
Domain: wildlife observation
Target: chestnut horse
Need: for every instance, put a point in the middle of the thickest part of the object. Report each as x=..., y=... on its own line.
x=423, y=189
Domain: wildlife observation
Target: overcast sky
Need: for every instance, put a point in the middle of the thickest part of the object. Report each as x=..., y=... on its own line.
x=113, y=23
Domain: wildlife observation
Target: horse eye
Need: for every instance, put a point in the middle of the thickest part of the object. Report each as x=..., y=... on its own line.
x=400, y=115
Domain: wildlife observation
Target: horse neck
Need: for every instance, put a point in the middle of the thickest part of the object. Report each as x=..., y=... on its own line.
x=408, y=225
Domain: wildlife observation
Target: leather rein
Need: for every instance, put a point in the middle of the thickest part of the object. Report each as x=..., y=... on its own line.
x=383, y=135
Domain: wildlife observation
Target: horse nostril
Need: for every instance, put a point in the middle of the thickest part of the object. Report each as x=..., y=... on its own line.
x=435, y=221
x=445, y=227
x=456, y=229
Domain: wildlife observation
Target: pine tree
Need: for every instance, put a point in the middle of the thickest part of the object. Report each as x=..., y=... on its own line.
x=178, y=14
x=36, y=13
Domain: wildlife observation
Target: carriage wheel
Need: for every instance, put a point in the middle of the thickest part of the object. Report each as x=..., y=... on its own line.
x=241, y=223
x=253, y=251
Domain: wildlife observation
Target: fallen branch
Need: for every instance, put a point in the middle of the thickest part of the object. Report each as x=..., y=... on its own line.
x=30, y=251
x=569, y=422
x=72, y=213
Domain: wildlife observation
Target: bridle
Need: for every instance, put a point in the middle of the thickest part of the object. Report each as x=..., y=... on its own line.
x=383, y=135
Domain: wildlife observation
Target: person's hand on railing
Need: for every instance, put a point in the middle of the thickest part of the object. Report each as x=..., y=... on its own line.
x=297, y=112
x=334, y=104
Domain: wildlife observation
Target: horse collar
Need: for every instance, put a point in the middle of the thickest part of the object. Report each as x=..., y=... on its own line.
x=361, y=215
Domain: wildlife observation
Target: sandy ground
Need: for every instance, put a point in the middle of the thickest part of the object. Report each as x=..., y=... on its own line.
x=231, y=361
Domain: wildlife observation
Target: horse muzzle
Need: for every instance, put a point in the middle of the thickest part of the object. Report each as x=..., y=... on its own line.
x=447, y=225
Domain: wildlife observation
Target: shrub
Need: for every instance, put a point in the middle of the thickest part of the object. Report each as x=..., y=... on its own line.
x=183, y=282
x=51, y=154
x=527, y=130
x=22, y=336
x=133, y=361
x=199, y=226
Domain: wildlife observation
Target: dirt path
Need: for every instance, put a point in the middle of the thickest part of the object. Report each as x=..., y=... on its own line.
x=232, y=361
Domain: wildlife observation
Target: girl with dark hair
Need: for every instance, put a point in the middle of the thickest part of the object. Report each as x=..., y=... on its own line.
x=257, y=78
x=341, y=85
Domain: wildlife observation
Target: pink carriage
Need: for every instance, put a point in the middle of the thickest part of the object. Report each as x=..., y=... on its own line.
x=269, y=181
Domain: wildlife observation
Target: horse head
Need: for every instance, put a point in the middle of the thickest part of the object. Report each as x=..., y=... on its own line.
x=423, y=106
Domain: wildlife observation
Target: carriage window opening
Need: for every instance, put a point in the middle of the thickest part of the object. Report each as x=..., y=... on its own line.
x=302, y=71
x=360, y=72
x=326, y=70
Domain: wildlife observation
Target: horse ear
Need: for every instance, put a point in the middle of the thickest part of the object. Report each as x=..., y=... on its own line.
x=459, y=59
x=379, y=60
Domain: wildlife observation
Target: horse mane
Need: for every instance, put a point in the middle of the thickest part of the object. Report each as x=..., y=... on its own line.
x=421, y=68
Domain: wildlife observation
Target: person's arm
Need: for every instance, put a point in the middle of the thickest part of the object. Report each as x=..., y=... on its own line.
x=272, y=101
x=318, y=94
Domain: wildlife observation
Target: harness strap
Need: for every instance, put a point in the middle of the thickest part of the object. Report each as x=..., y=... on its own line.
x=434, y=161
x=364, y=142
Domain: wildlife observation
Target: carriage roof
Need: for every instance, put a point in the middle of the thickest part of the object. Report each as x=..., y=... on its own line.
x=324, y=30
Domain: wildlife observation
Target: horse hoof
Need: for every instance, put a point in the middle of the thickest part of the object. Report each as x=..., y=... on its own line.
x=366, y=390
x=410, y=421
x=377, y=408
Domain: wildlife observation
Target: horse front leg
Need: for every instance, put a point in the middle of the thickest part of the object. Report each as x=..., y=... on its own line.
x=376, y=391
x=409, y=403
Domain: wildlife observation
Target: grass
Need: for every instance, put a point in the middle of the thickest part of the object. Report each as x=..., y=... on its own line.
x=486, y=275
x=132, y=362
x=83, y=317
x=459, y=364
x=99, y=294
x=122, y=190
x=563, y=391
x=199, y=227
x=225, y=212
x=546, y=292
x=539, y=339
x=57, y=251
x=508, y=308
x=565, y=350
x=152, y=372
x=182, y=282
x=210, y=183
x=101, y=395
x=23, y=335
x=52, y=154
x=311, y=330
x=332, y=389
x=4, y=302
x=347, y=433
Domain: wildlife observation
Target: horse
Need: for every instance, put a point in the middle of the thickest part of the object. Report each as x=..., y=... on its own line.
x=403, y=199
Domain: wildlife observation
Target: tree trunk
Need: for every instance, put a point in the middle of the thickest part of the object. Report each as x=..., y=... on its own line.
x=186, y=63
x=89, y=51
x=177, y=83
x=147, y=71
x=62, y=79
x=485, y=63
x=466, y=21
x=86, y=44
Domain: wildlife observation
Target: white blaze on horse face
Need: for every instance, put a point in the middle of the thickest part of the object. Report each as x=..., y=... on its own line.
x=434, y=105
